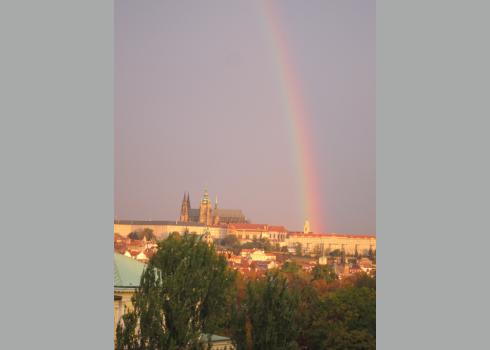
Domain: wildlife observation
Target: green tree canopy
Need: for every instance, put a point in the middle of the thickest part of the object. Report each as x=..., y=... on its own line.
x=290, y=267
x=345, y=320
x=271, y=309
x=299, y=249
x=324, y=272
x=335, y=252
x=231, y=242
x=138, y=235
x=184, y=292
x=261, y=243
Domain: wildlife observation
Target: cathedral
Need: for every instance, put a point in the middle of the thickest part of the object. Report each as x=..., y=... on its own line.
x=207, y=215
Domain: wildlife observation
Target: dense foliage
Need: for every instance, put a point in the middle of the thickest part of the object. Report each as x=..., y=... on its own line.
x=231, y=242
x=282, y=309
x=146, y=233
x=183, y=293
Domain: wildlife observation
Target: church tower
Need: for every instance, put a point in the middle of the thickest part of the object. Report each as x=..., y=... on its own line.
x=306, y=227
x=205, y=210
x=215, y=212
x=185, y=208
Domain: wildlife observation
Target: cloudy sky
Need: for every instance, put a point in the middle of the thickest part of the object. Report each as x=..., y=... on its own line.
x=199, y=104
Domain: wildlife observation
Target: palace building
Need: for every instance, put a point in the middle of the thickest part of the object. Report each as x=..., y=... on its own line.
x=207, y=215
x=318, y=243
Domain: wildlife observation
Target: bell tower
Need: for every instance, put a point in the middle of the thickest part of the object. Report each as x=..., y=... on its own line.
x=205, y=210
x=306, y=227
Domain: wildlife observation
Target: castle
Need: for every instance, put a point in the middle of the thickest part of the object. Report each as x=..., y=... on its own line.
x=207, y=215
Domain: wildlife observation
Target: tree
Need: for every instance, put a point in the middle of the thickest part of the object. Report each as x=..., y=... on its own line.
x=290, y=267
x=231, y=242
x=138, y=235
x=342, y=257
x=343, y=339
x=364, y=280
x=336, y=253
x=271, y=310
x=324, y=272
x=299, y=249
x=346, y=319
x=370, y=253
x=184, y=292
x=261, y=243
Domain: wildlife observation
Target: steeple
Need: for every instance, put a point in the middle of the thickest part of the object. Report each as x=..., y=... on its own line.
x=205, y=198
x=215, y=212
x=185, y=208
x=306, y=227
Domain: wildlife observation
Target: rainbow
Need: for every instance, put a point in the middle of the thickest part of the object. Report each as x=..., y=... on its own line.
x=298, y=117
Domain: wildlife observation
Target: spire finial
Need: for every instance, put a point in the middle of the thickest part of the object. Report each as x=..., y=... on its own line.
x=205, y=198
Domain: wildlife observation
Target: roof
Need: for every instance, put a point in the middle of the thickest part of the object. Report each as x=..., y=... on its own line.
x=214, y=338
x=225, y=213
x=257, y=227
x=230, y=213
x=127, y=271
x=320, y=235
x=156, y=223
x=237, y=226
x=277, y=228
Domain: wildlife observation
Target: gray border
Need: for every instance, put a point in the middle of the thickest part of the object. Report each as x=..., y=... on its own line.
x=432, y=174
x=56, y=139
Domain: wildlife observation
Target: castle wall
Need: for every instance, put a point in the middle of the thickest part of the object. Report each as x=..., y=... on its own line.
x=163, y=231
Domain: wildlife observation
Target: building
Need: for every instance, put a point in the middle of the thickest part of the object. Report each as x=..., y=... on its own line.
x=162, y=229
x=217, y=342
x=127, y=275
x=207, y=215
x=249, y=232
x=323, y=243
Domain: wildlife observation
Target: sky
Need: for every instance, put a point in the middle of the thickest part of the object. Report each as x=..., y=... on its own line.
x=201, y=103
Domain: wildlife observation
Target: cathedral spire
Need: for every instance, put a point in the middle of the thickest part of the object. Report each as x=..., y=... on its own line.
x=205, y=198
x=185, y=208
x=215, y=212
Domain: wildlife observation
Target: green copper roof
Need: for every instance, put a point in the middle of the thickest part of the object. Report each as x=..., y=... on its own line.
x=214, y=338
x=127, y=271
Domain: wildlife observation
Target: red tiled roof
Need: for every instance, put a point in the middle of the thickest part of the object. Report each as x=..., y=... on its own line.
x=342, y=235
x=248, y=227
x=277, y=228
x=134, y=252
x=257, y=227
x=247, y=250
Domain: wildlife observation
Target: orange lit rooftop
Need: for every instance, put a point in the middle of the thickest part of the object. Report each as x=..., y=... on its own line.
x=340, y=235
